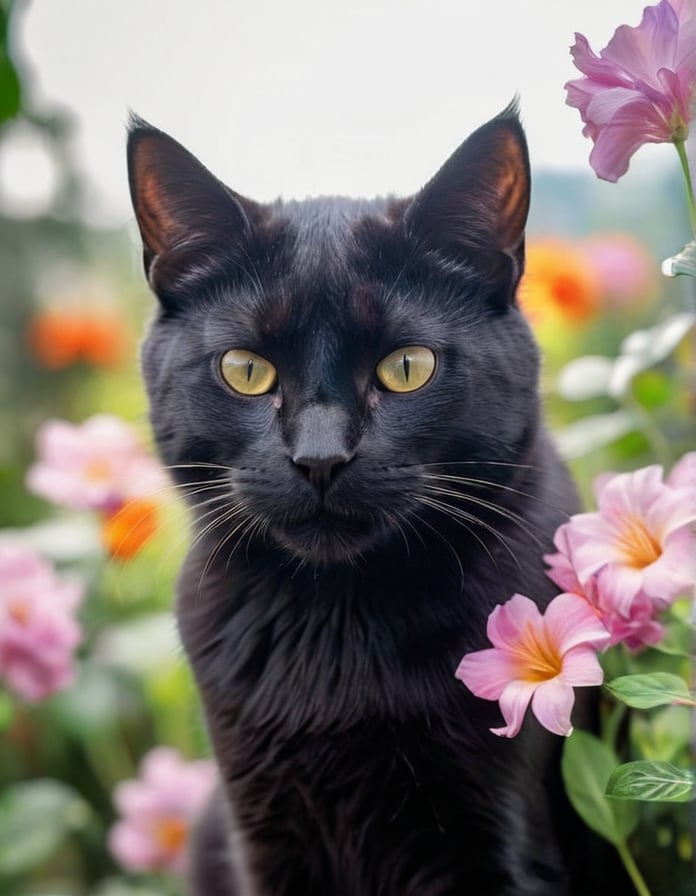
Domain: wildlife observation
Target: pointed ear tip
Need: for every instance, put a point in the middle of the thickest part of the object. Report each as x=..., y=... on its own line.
x=512, y=110
x=136, y=124
x=139, y=130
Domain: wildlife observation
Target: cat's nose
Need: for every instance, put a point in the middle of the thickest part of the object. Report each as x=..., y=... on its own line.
x=321, y=448
x=321, y=470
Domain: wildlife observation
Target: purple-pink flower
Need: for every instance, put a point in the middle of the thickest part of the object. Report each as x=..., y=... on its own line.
x=97, y=465
x=640, y=89
x=636, y=554
x=38, y=628
x=158, y=809
x=537, y=658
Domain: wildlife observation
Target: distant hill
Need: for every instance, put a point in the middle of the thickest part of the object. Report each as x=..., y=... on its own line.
x=652, y=207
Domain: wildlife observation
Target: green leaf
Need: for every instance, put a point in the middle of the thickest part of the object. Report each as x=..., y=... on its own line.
x=648, y=690
x=6, y=711
x=119, y=887
x=663, y=735
x=10, y=90
x=653, y=781
x=652, y=388
x=678, y=639
x=587, y=765
x=35, y=817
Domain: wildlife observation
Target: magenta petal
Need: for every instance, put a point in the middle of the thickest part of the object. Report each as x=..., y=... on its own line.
x=552, y=704
x=513, y=704
x=595, y=68
x=652, y=45
x=486, y=673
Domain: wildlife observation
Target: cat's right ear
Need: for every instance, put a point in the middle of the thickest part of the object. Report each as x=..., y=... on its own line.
x=191, y=224
x=473, y=212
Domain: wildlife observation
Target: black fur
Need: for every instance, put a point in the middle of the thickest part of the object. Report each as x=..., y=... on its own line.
x=349, y=543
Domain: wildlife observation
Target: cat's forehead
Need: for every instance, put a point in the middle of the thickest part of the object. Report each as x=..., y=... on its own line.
x=314, y=263
x=333, y=269
x=323, y=237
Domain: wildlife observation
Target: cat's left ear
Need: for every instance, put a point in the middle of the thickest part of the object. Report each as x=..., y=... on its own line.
x=475, y=209
x=191, y=224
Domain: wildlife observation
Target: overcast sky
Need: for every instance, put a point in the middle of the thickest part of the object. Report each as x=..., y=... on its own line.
x=308, y=96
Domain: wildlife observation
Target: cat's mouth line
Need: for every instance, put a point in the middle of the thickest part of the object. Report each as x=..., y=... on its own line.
x=324, y=516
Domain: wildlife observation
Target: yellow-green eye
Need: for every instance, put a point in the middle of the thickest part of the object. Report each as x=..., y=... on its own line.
x=406, y=369
x=247, y=372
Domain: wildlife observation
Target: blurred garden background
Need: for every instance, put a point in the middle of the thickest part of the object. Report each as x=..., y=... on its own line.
x=618, y=382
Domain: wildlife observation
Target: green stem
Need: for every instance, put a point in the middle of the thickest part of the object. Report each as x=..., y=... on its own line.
x=633, y=871
x=681, y=151
x=611, y=723
x=660, y=446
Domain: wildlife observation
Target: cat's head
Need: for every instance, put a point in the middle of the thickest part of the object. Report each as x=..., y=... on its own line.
x=318, y=369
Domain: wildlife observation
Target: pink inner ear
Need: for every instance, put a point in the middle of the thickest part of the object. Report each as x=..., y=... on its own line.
x=513, y=196
x=157, y=225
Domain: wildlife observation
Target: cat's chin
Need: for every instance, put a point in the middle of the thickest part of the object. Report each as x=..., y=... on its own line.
x=328, y=539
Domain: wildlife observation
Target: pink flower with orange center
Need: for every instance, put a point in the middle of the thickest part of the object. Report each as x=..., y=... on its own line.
x=38, y=628
x=537, y=658
x=642, y=538
x=96, y=465
x=158, y=809
x=636, y=628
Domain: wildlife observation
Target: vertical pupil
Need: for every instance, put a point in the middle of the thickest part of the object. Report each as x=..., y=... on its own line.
x=407, y=366
x=250, y=369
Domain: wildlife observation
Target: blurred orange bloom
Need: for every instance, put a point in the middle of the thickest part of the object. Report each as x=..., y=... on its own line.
x=130, y=527
x=61, y=337
x=558, y=283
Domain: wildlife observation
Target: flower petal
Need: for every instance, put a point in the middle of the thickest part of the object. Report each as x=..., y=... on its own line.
x=552, y=704
x=486, y=672
x=581, y=667
x=507, y=621
x=617, y=586
x=683, y=474
x=513, y=704
x=570, y=621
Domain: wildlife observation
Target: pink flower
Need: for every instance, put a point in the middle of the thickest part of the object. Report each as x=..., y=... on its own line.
x=636, y=628
x=641, y=87
x=641, y=537
x=636, y=554
x=624, y=269
x=683, y=475
x=158, y=809
x=536, y=658
x=97, y=465
x=38, y=629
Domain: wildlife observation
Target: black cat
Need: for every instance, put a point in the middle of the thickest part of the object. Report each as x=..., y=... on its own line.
x=347, y=393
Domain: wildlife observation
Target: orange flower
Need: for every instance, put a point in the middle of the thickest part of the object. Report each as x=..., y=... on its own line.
x=61, y=337
x=130, y=527
x=558, y=284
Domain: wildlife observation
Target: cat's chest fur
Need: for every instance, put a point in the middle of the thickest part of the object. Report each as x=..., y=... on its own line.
x=334, y=711
x=347, y=396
